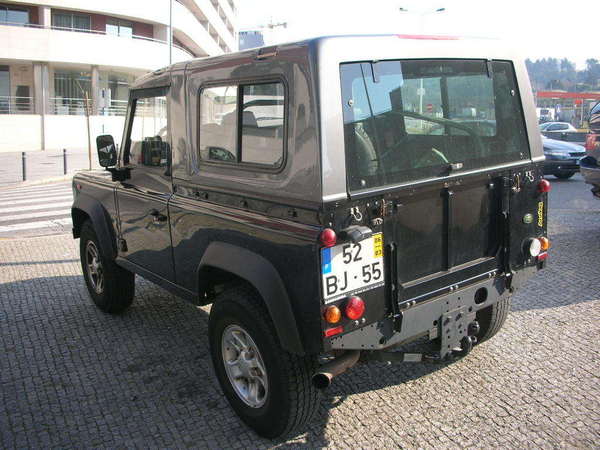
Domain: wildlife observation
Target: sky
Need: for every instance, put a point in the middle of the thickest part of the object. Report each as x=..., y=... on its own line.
x=556, y=28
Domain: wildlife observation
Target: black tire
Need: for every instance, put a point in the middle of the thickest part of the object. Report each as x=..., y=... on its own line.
x=290, y=399
x=118, y=285
x=492, y=318
x=564, y=176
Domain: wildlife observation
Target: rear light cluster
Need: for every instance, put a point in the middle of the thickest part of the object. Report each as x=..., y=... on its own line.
x=353, y=308
x=328, y=238
x=538, y=247
x=544, y=186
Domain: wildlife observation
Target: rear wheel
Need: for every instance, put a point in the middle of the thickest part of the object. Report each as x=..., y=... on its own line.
x=564, y=176
x=110, y=286
x=492, y=318
x=269, y=388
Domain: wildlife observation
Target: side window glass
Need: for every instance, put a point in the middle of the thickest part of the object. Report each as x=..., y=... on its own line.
x=262, y=124
x=149, y=140
x=218, y=124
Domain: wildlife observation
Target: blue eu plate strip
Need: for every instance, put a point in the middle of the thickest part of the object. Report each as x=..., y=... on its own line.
x=326, y=260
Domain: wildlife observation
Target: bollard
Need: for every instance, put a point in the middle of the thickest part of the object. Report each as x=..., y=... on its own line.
x=64, y=161
x=24, y=166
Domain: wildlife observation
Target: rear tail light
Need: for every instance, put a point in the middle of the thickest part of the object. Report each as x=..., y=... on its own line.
x=328, y=238
x=544, y=186
x=333, y=314
x=355, y=308
x=545, y=243
x=542, y=256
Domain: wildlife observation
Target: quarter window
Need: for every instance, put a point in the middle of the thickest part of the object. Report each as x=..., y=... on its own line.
x=262, y=124
x=243, y=124
x=148, y=141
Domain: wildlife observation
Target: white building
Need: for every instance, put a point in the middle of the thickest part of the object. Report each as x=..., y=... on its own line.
x=54, y=53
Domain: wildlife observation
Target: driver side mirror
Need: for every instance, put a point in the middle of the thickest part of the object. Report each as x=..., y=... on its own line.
x=107, y=152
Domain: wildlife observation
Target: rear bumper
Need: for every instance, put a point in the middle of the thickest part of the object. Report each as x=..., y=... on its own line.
x=430, y=318
x=552, y=166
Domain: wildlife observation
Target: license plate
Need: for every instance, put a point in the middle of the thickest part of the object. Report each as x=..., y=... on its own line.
x=351, y=268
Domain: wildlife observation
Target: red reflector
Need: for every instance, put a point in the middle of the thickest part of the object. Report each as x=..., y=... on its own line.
x=543, y=256
x=544, y=185
x=355, y=308
x=328, y=238
x=427, y=37
x=333, y=331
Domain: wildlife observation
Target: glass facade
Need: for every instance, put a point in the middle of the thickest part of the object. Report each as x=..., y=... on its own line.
x=114, y=92
x=119, y=27
x=4, y=89
x=69, y=91
x=71, y=21
x=14, y=15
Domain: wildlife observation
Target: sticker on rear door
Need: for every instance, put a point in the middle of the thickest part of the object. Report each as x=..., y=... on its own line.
x=348, y=268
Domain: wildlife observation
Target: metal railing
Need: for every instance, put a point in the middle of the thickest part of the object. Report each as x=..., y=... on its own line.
x=76, y=107
x=81, y=30
x=16, y=105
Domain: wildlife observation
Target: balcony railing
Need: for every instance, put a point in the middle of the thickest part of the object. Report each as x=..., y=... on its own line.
x=81, y=30
x=16, y=105
x=76, y=107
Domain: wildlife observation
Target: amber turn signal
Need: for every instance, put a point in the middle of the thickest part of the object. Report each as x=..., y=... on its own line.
x=545, y=243
x=333, y=314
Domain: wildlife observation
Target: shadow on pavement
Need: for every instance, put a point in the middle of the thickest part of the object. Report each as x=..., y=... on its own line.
x=121, y=379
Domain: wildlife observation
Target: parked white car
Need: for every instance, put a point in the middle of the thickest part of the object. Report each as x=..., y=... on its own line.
x=557, y=126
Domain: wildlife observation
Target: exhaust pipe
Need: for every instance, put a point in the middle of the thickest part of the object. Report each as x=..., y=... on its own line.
x=322, y=378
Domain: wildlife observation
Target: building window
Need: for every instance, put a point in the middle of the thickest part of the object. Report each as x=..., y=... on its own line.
x=70, y=21
x=260, y=138
x=69, y=91
x=4, y=90
x=14, y=16
x=118, y=27
x=114, y=93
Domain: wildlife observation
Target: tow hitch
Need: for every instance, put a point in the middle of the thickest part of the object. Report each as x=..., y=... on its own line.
x=456, y=352
x=324, y=376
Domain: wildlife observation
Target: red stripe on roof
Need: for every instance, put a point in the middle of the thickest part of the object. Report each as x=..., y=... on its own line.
x=427, y=37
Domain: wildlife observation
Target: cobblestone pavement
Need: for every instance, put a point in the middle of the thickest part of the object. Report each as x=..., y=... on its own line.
x=71, y=376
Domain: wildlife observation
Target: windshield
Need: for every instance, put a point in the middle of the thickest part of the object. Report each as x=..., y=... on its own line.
x=415, y=119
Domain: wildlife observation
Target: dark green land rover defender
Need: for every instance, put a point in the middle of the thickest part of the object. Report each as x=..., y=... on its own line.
x=333, y=199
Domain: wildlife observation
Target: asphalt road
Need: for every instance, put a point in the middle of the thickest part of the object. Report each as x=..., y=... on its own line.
x=71, y=376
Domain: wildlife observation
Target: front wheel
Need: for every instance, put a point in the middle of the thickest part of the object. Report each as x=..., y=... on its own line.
x=269, y=388
x=110, y=286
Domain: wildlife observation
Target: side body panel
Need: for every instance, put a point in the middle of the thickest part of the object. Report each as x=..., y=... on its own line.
x=270, y=217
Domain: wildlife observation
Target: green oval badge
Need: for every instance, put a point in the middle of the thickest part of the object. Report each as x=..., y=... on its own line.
x=528, y=218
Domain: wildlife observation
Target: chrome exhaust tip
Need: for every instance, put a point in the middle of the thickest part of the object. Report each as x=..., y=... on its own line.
x=323, y=377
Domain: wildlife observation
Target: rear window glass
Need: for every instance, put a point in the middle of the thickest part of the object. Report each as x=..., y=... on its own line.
x=413, y=119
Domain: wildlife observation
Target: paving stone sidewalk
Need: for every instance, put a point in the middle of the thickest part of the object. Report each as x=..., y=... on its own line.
x=40, y=165
x=71, y=376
